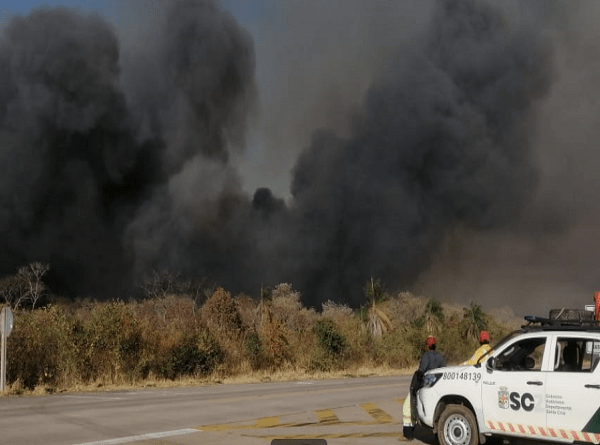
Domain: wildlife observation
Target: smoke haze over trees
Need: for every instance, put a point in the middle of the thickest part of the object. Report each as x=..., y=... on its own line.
x=118, y=160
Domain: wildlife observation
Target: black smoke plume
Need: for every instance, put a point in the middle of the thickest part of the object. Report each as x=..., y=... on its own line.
x=442, y=140
x=85, y=160
x=110, y=171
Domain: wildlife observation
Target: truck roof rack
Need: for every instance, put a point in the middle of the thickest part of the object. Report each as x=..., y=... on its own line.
x=547, y=324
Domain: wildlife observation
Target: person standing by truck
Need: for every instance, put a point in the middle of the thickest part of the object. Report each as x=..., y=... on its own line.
x=431, y=359
x=484, y=347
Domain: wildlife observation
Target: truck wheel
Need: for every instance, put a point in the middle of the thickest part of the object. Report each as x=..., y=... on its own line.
x=457, y=426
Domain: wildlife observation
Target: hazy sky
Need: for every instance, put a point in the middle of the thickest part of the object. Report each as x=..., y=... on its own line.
x=315, y=62
x=264, y=19
x=318, y=56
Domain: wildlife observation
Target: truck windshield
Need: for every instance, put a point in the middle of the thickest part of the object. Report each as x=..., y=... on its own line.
x=498, y=345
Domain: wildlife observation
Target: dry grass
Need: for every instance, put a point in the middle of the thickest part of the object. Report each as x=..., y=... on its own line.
x=170, y=341
x=288, y=309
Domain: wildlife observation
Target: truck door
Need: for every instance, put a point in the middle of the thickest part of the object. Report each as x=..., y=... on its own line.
x=573, y=388
x=513, y=388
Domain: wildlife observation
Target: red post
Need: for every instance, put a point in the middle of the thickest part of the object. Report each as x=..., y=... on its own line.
x=597, y=311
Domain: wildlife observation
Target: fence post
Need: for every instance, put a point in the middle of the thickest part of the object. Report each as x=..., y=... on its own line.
x=3, y=352
x=6, y=325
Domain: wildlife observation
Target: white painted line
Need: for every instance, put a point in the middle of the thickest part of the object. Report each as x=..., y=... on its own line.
x=93, y=397
x=143, y=437
x=304, y=383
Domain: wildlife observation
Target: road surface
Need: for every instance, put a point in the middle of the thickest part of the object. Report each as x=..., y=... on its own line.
x=353, y=411
x=348, y=411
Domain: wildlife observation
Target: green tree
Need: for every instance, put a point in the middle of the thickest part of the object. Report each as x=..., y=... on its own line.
x=474, y=320
x=433, y=317
x=330, y=339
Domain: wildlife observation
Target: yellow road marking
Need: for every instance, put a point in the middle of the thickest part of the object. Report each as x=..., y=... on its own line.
x=267, y=422
x=225, y=427
x=327, y=416
x=377, y=413
x=260, y=423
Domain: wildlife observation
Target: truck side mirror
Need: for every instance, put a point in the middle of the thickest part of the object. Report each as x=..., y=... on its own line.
x=491, y=364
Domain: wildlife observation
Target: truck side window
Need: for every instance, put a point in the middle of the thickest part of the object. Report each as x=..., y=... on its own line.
x=525, y=355
x=578, y=354
x=591, y=355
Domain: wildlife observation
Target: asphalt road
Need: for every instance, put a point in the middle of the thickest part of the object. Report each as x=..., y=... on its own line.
x=353, y=410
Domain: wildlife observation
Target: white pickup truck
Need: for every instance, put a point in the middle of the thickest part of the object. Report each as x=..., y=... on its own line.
x=541, y=382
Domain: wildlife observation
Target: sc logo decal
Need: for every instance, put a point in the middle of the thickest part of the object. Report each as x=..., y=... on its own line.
x=526, y=401
x=515, y=401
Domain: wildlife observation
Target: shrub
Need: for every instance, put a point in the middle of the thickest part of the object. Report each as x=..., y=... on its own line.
x=321, y=361
x=178, y=311
x=331, y=345
x=220, y=312
x=84, y=341
x=405, y=308
x=249, y=312
x=396, y=349
x=460, y=349
x=330, y=339
x=40, y=350
x=415, y=337
x=195, y=354
x=112, y=343
x=352, y=327
x=273, y=336
x=287, y=308
x=252, y=349
x=336, y=311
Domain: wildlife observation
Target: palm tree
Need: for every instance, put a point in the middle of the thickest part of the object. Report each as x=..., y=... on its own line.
x=474, y=321
x=378, y=321
x=433, y=316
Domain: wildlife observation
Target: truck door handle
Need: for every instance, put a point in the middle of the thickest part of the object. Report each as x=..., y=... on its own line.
x=535, y=383
x=593, y=386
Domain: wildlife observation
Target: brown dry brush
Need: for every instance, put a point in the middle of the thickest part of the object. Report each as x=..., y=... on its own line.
x=221, y=316
x=109, y=343
x=169, y=337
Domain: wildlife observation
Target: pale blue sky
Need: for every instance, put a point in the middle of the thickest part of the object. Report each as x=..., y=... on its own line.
x=245, y=11
x=105, y=7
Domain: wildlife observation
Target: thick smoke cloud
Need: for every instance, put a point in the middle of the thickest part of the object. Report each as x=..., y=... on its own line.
x=82, y=158
x=315, y=62
x=69, y=167
x=113, y=167
x=549, y=258
x=442, y=141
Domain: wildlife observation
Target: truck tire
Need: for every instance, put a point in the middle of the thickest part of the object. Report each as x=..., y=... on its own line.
x=457, y=426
